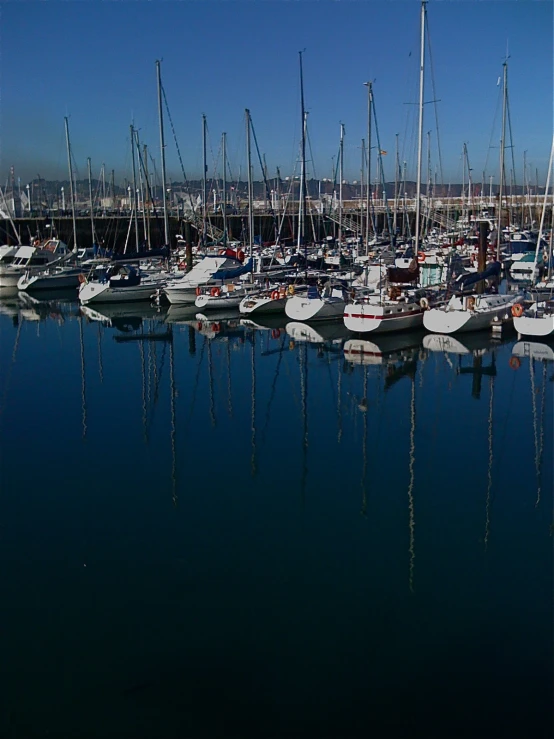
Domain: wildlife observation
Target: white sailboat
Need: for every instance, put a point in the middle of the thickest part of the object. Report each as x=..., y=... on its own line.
x=479, y=310
x=28, y=257
x=396, y=308
x=538, y=318
x=119, y=283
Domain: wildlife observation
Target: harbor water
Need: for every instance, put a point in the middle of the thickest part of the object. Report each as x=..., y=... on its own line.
x=215, y=528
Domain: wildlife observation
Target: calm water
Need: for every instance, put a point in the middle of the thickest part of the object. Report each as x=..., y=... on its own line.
x=230, y=531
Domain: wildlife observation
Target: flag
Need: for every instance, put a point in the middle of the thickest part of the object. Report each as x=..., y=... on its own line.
x=382, y=152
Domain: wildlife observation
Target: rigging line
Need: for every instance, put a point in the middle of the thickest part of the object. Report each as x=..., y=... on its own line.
x=253, y=405
x=495, y=119
x=363, y=510
x=211, y=385
x=187, y=184
x=535, y=423
x=229, y=393
x=100, y=365
x=511, y=139
x=173, y=426
x=273, y=389
x=411, y=487
x=83, y=382
x=196, y=381
x=143, y=377
x=541, y=436
x=428, y=37
x=489, y=467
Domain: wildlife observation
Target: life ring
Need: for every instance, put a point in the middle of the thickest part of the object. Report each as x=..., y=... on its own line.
x=517, y=311
x=240, y=255
x=275, y=295
x=291, y=290
x=215, y=292
x=421, y=257
x=198, y=291
x=275, y=333
x=182, y=266
x=424, y=303
x=514, y=363
x=82, y=278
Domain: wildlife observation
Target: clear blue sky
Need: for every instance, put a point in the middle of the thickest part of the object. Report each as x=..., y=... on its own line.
x=95, y=62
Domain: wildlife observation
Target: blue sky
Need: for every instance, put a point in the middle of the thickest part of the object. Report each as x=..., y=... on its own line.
x=95, y=62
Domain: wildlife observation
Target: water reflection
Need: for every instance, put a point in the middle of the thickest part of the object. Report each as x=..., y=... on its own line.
x=375, y=501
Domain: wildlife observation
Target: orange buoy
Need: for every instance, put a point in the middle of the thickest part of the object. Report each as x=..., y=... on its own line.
x=215, y=292
x=275, y=295
x=421, y=256
x=514, y=363
x=517, y=310
x=198, y=291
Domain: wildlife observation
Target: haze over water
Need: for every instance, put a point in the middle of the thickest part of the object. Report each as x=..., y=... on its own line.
x=212, y=530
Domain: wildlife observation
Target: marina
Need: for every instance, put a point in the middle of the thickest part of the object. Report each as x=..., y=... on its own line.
x=387, y=502
x=340, y=299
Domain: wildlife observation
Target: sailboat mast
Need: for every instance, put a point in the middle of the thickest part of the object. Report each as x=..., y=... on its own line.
x=71, y=191
x=502, y=146
x=134, y=201
x=204, y=186
x=341, y=176
x=369, y=86
x=224, y=156
x=543, y=212
x=301, y=225
x=395, y=189
x=420, y=125
x=250, y=190
x=162, y=152
x=362, y=177
x=91, y=205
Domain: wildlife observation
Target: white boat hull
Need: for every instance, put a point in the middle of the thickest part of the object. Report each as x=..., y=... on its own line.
x=91, y=292
x=535, y=325
x=258, y=305
x=450, y=321
x=374, y=318
x=10, y=277
x=221, y=302
x=49, y=282
x=300, y=308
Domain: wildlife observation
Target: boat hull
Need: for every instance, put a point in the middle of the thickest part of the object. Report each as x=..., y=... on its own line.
x=49, y=282
x=96, y=293
x=300, y=308
x=221, y=302
x=262, y=305
x=535, y=325
x=373, y=318
x=443, y=321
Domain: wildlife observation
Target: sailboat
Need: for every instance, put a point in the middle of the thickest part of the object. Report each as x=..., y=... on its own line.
x=398, y=306
x=478, y=310
x=314, y=304
x=57, y=274
x=538, y=318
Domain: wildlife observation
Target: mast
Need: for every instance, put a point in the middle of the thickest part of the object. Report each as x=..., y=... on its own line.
x=250, y=189
x=148, y=198
x=71, y=191
x=204, y=186
x=502, y=145
x=369, y=86
x=543, y=213
x=341, y=176
x=301, y=225
x=135, y=209
x=396, y=167
x=91, y=202
x=224, y=155
x=362, y=191
x=420, y=125
x=162, y=152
